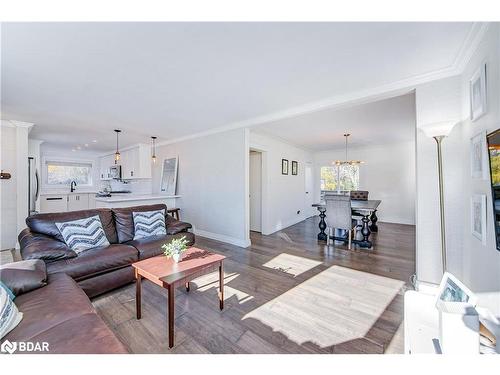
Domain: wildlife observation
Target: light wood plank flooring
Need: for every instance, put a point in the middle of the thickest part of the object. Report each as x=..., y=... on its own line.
x=287, y=293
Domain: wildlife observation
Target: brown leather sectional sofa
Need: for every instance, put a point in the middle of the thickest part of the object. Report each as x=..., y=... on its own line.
x=60, y=312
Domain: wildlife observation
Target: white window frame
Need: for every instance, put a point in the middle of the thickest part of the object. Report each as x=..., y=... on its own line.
x=334, y=166
x=45, y=173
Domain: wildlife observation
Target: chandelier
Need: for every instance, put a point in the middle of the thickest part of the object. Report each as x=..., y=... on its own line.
x=347, y=161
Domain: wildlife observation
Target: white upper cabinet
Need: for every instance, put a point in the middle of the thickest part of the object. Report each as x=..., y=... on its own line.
x=135, y=163
x=104, y=163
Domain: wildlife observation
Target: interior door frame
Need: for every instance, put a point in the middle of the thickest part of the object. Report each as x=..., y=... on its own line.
x=261, y=188
x=264, y=183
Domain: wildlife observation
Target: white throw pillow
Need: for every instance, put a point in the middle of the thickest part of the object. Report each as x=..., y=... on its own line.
x=149, y=223
x=83, y=234
x=10, y=315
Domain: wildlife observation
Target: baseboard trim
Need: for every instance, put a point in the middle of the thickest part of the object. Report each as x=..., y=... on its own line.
x=223, y=238
x=287, y=224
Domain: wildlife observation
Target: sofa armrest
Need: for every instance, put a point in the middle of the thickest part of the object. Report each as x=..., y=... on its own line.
x=24, y=276
x=175, y=226
x=39, y=246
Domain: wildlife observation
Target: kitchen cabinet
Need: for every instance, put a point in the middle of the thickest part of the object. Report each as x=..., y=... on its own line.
x=105, y=163
x=54, y=203
x=78, y=202
x=66, y=202
x=135, y=163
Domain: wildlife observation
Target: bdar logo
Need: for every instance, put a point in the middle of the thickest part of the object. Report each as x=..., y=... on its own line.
x=8, y=347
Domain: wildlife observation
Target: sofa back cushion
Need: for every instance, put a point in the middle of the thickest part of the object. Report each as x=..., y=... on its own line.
x=46, y=223
x=124, y=219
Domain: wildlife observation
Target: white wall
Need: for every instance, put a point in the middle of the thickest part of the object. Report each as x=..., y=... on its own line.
x=388, y=174
x=13, y=192
x=51, y=152
x=477, y=265
x=212, y=180
x=283, y=195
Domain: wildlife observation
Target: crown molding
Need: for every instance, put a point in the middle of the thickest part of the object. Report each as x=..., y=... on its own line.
x=16, y=124
x=470, y=45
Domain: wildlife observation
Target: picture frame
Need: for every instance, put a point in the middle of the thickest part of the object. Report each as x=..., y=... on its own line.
x=295, y=168
x=477, y=93
x=452, y=291
x=478, y=217
x=284, y=166
x=479, y=156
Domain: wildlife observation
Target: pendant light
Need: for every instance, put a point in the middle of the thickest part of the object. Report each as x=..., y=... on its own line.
x=117, y=153
x=346, y=161
x=153, y=149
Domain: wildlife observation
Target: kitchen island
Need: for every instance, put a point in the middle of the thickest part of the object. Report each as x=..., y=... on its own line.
x=130, y=200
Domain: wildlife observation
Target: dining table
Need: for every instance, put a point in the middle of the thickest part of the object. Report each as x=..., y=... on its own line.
x=366, y=209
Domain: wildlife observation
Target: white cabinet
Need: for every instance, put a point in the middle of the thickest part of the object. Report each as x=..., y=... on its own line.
x=78, y=202
x=66, y=202
x=54, y=203
x=105, y=163
x=135, y=163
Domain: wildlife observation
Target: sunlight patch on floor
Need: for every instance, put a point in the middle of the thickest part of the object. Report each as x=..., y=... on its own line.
x=211, y=280
x=335, y=306
x=291, y=264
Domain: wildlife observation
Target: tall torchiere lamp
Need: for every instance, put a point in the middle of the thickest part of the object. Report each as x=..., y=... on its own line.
x=439, y=131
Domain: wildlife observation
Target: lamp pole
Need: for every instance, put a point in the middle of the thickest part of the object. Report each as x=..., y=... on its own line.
x=439, y=140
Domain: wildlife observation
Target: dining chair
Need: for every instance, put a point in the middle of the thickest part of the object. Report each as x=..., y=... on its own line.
x=339, y=216
x=359, y=195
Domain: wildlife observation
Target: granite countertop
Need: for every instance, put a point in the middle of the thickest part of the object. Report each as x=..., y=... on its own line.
x=134, y=197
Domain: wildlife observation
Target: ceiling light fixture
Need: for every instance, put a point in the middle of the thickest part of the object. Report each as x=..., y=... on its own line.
x=153, y=149
x=344, y=162
x=117, y=153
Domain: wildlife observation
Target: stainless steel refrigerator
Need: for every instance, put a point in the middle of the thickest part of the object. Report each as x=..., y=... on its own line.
x=33, y=186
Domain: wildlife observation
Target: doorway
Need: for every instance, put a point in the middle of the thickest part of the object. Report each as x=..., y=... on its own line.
x=255, y=191
x=309, y=189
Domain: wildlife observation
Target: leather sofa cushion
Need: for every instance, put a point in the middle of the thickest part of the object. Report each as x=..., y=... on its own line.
x=40, y=246
x=175, y=226
x=105, y=282
x=60, y=300
x=151, y=246
x=45, y=223
x=95, y=261
x=124, y=220
x=86, y=334
x=24, y=276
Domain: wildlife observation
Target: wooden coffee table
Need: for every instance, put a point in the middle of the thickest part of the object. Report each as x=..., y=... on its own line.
x=166, y=273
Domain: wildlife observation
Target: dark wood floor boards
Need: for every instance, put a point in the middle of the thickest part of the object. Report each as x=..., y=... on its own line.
x=318, y=299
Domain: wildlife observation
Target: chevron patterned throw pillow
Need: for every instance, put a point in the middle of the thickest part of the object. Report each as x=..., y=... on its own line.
x=149, y=223
x=83, y=234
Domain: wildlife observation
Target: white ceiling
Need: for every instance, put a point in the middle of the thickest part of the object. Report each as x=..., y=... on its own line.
x=380, y=122
x=79, y=81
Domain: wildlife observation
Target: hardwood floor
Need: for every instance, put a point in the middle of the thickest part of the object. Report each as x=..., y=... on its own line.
x=287, y=293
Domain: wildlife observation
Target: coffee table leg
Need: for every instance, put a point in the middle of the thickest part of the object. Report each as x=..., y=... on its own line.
x=138, y=294
x=171, y=292
x=187, y=287
x=221, y=285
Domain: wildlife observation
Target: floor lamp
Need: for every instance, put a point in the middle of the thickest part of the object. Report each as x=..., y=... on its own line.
x=439, y=131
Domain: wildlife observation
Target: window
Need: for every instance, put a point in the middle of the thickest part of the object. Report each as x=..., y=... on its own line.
x=62, y=173
x=349, y=177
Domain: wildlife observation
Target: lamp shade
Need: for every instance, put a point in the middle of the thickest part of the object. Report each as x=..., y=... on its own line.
x=436, y=129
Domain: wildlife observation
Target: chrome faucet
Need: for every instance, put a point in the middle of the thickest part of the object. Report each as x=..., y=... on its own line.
x=73, y=186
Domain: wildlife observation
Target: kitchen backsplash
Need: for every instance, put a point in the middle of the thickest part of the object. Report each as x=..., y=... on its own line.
x=135, y=186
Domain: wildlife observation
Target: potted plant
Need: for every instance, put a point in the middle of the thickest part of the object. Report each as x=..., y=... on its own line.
x=175, y=248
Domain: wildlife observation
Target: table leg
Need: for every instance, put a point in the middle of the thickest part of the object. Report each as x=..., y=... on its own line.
x=171, y=292
x=187, y=287
x=138, y=294
x=221, y=285
x=322, y=236
x=374, y=219
x=365, y=231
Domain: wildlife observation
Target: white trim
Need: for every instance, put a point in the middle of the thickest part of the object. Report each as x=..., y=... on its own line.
x=16, y=124
x=223, y=238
